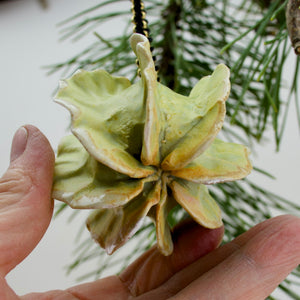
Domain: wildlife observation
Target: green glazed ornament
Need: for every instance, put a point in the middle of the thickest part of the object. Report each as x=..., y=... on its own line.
x=139, y=149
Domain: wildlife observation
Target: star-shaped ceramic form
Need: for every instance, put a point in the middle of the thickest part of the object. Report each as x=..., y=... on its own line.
x=139, y=149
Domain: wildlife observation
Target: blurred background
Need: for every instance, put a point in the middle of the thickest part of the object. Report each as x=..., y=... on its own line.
x=29, y=41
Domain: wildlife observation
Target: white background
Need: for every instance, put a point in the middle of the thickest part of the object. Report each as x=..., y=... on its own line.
x=28, y=41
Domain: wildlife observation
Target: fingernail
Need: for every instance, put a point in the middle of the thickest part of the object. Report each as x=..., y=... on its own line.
x=19, y=143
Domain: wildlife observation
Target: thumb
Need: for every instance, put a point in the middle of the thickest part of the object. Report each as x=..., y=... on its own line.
x=25, y=196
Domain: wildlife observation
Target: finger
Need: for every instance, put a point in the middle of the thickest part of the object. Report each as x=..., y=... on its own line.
x=191, y=241
x=250, y=267
x=255, y=269
x=25, y=196
x=6, y=293
x=107, y=288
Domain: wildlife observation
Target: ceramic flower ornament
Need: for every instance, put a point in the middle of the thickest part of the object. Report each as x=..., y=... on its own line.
x=139, y=149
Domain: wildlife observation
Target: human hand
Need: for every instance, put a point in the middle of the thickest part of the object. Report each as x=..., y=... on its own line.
x=250, y=267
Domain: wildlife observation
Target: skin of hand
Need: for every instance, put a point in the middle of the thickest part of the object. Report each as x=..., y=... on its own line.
x=249, y=267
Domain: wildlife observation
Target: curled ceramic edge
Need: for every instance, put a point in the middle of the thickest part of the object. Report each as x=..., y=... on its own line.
x=141, y=47
x=102, y=148
x=150, y=154
x=192, y=156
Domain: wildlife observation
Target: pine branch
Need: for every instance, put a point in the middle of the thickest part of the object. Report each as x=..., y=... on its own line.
x=190, y=38
x=203, y=35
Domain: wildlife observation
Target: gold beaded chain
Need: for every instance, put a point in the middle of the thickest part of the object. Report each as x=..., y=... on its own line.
x=140, y=24
x=139, y=18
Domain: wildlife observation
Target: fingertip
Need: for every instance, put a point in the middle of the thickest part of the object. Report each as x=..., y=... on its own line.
x=19, y=143
x=281, y=242
x=39, y=159
x=189, y=229
x=25, y=194
x=32, y=151
x=38, y=145
x=32, y=162
x=192, y=241
x=29, y=141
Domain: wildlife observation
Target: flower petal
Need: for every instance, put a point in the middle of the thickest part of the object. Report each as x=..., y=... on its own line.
x=207, y=101
x=150, y=151
x=221, y=162
x=196, y=200
x=107, y=115
x=82, y=182
x=111, y=228
x=197, y=140
x=163, y=233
